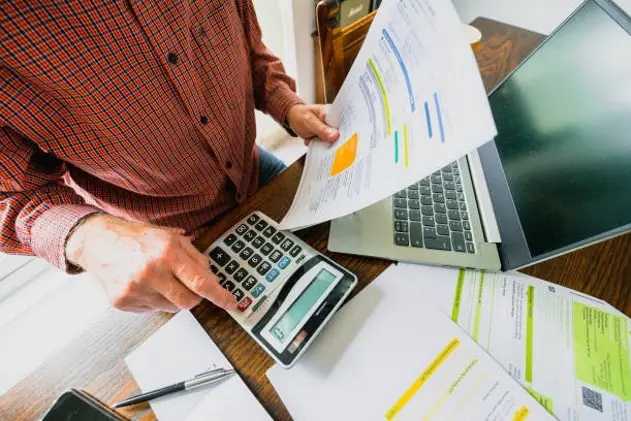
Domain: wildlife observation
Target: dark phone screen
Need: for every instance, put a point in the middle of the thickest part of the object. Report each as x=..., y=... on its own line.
x=70, y=407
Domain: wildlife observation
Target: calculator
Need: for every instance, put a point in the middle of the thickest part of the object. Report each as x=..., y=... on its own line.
x=286, y=291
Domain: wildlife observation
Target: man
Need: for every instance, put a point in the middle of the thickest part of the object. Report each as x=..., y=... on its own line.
x=125, y=128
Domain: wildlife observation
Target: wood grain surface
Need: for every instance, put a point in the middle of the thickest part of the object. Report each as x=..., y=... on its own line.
x=94, y=360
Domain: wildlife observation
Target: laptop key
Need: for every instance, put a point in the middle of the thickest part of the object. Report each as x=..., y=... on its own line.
x=464, y=215
x=449, y=185
x=438, y=197
x=439, y=243
x=440, y=208
x=457, y=180
x=456, y=171
x=429, y=221
x=436, y=179
x=413, y=187
x=442, y=229
x=415, y=215
x=452, y=204
x=468, y=236
x=446, y=169
x=424, y=182
x=400, y=203
x=401, y=194
x=455, y=225
x=412, y=194
x=401, y=214
x=459, y=188
x=463, y=206
x=457, y=242
x=437, y=188
x=414, y=204
x=466, y=225
x=416, y=236
x=401, y=226
x=429, y=233
x=470, y=248
x=426, y=200
x=461, y=197
x=454, y=215
x=441, y=218
x=401, y=239
x=451, y=195
x=448, y=177
x=427, y=210
x=425, y=190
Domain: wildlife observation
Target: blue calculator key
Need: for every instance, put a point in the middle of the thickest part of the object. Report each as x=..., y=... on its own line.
x=258, y=290
x=273, y=274
x=284, y=262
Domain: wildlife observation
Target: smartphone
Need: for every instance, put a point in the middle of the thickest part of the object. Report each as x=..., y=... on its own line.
x=78, y=405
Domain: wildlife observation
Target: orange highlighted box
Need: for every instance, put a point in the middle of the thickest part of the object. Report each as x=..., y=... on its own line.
x=345, y=156
x=521, y=414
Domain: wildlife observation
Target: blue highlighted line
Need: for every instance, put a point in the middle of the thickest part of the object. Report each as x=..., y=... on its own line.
x=429, y=121
x=440, y=118
x=408, y=83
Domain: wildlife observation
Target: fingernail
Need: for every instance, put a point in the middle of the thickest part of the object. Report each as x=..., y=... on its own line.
x=331, y=132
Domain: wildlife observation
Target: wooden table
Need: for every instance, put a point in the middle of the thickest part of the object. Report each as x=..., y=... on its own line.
x=94, y=360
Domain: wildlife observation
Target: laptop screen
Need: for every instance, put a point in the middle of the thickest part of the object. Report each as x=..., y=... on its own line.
x=564, y=123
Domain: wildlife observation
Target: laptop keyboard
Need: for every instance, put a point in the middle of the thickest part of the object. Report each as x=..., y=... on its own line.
x=434, y=213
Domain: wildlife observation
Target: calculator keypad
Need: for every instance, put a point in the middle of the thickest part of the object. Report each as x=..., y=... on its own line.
x=250, y=259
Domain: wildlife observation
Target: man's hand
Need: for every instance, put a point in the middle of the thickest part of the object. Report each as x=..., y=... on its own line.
x=307, y=121
x=143, y=267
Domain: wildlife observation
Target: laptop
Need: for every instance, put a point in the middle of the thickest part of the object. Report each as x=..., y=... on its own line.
x=556, y=178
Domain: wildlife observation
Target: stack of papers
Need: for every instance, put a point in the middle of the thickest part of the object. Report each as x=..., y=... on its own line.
x=412, y=102
x=391, y=354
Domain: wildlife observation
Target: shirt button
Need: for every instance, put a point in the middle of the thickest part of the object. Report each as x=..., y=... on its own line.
x=228, y=164
x=204, y=120
x=172, y=58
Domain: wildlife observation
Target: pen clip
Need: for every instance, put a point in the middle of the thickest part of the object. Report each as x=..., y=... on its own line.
x=213, y=371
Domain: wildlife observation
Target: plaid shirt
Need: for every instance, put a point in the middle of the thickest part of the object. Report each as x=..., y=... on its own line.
x=142, y=109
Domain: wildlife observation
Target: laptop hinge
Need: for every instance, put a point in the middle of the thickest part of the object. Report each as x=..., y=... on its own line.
x=487, y=214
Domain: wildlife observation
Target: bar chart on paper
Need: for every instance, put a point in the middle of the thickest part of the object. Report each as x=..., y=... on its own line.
x=412, y=102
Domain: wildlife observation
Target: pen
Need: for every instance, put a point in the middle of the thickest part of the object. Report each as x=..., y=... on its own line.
x=208, y=377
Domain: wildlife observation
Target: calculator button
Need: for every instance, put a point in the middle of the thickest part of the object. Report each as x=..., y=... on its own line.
x=266, y=249
x=288, y=244
x=264, y=268
x=231, y=238
x=261, y=225
x=273, y=274
x=258, y=289
x=258, y=242
x=244, y=304
x=285, y=261
x=253, y=219
x=249, y=283
x=219, y=256
x=238, y=294
x=275, y=256
x=231, y=267
x=241, y=229
x=240, y=275
x=229, y=286
x=278, y=237
x=269, y=231
x=246, y=253
x=238, y=246
x=222, y=278
x=250, y=235
x=255, y=260
x=214, y=269
x=296, y=251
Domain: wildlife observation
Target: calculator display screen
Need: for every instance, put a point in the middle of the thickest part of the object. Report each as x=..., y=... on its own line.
x=297, y=311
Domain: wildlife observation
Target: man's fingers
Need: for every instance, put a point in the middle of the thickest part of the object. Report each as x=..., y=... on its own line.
x=193, y=253
x=321, y=130
x=202, y=282
x=177, y=293
x=160, y=303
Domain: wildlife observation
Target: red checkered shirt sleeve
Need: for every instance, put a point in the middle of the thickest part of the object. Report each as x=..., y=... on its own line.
x=37, y=211
x=274, y=90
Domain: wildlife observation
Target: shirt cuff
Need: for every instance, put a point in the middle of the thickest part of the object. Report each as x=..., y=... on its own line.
x=279, y=103
x=50, y=233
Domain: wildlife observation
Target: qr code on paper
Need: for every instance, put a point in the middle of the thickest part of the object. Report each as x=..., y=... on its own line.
x=592, y=399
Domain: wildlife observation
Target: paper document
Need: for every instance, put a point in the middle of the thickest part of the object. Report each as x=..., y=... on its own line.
x=412, y=102
x=569, y=350
x=178, y=351
x=390, y=354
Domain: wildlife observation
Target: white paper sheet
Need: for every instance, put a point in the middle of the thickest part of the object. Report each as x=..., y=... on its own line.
x=365, y=363
x=178, y=351
x=570, y=350
x=412, y=102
